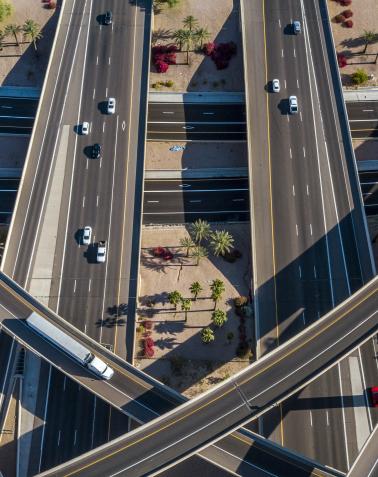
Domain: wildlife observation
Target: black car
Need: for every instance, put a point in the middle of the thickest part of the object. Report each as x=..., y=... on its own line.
x=96, y=151
x=108, y=17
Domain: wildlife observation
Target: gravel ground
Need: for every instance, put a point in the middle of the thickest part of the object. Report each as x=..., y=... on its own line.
x=349, y=40
x=204, y=364
x=196, y=155
x=221, y=18
x=22, y=66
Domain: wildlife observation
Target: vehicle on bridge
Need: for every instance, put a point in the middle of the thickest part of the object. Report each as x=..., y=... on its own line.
x=70, y=346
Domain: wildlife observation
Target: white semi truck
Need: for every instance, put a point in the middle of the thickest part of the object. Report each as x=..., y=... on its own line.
x=69, y=345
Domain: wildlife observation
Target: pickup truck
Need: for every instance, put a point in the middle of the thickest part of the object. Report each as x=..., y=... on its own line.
x=101, y=251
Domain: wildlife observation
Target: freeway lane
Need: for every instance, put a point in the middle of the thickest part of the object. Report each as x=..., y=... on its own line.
x=178, y=201
x=104, y=193
x=17, y=115
x=17, y=304
x=154, y=401
x=192, y=112
x=202, y=420
x=308, y=226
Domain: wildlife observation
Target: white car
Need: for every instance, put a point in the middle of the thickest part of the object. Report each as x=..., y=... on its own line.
x=293, y=104
x=101, y=251
x=297, y=27
x=276, y=85
x=87, y=235
x=111, y=105
x=85, y=128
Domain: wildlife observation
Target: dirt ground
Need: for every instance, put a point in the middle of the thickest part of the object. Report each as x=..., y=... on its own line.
x=196, y=155
x=201, y=365
x=222, y=21
x=349, y=40
x=22, y=66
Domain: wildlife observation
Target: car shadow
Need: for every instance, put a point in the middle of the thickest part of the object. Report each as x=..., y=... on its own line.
x=91, y=253
x=79, y=236
x=288, y=29
x=102, y=107
x=283, y=106
x=88, y=152
x=100, y=18
x=77, y=129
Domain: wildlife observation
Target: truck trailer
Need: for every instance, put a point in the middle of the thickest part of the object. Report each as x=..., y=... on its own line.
x=69, y=345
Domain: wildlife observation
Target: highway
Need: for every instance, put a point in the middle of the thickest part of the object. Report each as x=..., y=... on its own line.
x=166, y=121
x=17, y=115
x=179, y=201
x=204, y=419
x=308, y=224
x=62, y=189
x=363, y=119
x=130, y=391
x=8, y=193
x=366, y=464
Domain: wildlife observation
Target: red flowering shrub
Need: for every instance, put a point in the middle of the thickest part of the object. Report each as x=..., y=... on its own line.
x=347, y=13
x=159, y=251
x=348, y=23
x=149, y=352
x=341, y=60
x=149, y=343
x=148, y=347
x=220, y=54
x=51, y=5
x=163, y=56
x=345, y=3
x=161, y=66
x=339, y=18
x=208, y=48
x=168, y=255
x=148, y=324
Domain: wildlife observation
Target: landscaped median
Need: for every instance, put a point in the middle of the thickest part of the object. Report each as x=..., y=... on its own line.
x=195, y=318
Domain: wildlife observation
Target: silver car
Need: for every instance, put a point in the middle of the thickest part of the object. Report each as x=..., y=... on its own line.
x=87, y=235
x=111, y=105
x=297, y=27
x=276, y=85
x=293, y=104
x=85, y=128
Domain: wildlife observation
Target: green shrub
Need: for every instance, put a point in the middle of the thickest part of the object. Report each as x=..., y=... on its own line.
x=360, y=76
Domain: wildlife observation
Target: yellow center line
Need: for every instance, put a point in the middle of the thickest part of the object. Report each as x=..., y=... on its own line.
x=302, y=344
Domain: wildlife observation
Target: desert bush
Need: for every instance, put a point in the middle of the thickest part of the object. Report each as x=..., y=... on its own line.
x=345, y=3
x=240, y=301
x=347, y=13
x=348, y=23
x=360, y=76
x=148, y=324
x=339, y=18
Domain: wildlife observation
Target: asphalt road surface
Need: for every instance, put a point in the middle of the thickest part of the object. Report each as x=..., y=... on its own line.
x=103, y=193
x=178, y=201
x=8, y=193
x=17, y=115
x=311, y=246
x=363, y=119
x=195, y=424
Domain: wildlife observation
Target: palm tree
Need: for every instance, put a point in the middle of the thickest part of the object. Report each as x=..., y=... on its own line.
x=186, y=305
x=221, y=242
x=187, y=243
x=32, y=30
x=201, y=35
x=199, y=252
x=200, y=230
x=219, y=318
x=187, y=36
x=207, y=335
x=195, y=289
x=13, y=29
x=175, y=298
x=190, y=22
x=179, y=37
x=368, y=36
x=217, y=289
